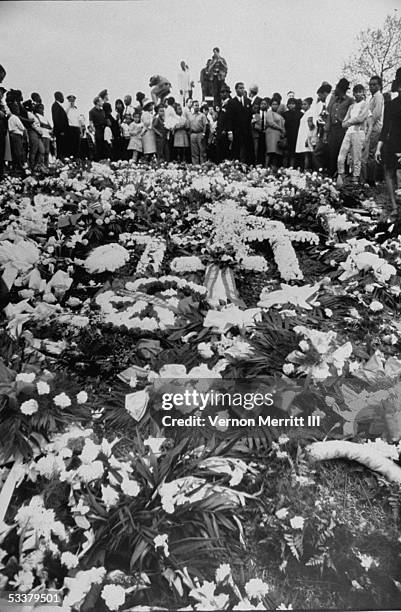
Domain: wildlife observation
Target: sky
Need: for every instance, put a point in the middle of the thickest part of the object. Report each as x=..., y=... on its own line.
x=83, y=47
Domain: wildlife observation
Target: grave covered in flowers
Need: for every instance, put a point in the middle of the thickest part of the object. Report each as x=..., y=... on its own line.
x=121, y=281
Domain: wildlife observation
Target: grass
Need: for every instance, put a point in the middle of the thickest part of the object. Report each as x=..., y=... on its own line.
x=366, y=521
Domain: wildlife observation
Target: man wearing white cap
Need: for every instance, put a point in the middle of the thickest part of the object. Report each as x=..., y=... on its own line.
x=253, y=95
x=74, y=127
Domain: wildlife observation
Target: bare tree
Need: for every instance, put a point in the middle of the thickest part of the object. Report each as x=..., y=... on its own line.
x=378, y=52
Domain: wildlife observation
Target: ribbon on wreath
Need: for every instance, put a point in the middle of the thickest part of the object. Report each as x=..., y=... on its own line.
x=220, y=285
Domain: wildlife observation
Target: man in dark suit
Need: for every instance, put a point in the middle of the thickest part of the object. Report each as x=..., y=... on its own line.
x=222, y=144
x=60, y=125
x=238, y=122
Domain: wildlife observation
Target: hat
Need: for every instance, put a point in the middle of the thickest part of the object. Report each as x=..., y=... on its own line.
x=103, y=93
x=325, y=86
x=146, y=102
x=343, y=85
x=71, y=96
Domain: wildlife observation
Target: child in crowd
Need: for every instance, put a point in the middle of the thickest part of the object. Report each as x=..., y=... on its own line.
x=136, y=130
x=161, y=133
x=256, y=123
x=125, y=136
x=354, y=139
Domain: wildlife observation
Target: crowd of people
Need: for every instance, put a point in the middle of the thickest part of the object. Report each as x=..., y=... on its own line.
x=334, y=132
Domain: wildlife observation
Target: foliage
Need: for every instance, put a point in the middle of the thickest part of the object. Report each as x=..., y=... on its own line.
x=378, y=53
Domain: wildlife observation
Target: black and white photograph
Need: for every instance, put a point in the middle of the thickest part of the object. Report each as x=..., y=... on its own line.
x=200, y=313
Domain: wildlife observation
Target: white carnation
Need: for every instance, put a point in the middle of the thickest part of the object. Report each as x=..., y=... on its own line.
x=29, y=407
x=113, y=595
x=69, y=560
x=62, y=400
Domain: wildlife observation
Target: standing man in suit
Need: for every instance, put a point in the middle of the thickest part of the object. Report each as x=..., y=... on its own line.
x=60, y=125
x=239, y=128
x=222, y=144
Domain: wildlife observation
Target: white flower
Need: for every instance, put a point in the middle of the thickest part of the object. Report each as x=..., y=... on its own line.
x=113, y=595
x=23, y=580
x=376, y=306
x=92, y=471
x=282, y=513
x=186, y=264
x=205, y=350
x=256, y=588
x=110, y=496
x=173, y=370
x=282, y=606
x=42, y=387
x=254, y=262
x=367, y=561
x=90, y=451
x=80, y=585
x=130, y=487
x=25, y=377
x=62, y=400
x=288, y=368
x=223, y=572
x=283, y=439
x=356, y=585
x=154, y=444
x=107, y=257
x=82, y=397
x=297, y=522
x=162, y=542
x=69, y=560
x=29, y=407
x=50, y=465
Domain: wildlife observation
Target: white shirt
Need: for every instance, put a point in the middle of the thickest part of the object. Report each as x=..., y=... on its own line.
x=356, y=109
x=73, y=116
x=241, y=100
x=46, y=132
x=317, y=107
x=15, y=125
x=171, y=117
x=108, y=135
